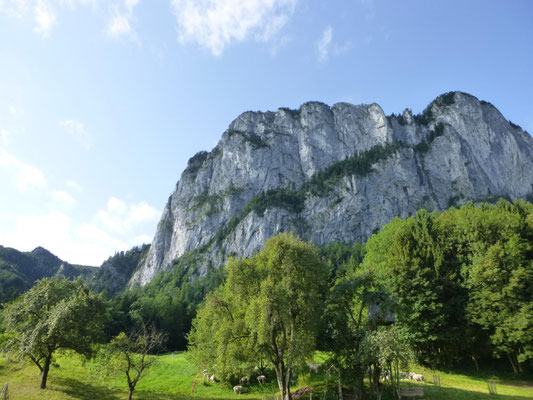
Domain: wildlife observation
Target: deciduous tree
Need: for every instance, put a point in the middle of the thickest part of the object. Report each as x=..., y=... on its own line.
x=55, y=314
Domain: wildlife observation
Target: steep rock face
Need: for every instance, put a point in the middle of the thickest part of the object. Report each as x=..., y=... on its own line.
x=336, y=174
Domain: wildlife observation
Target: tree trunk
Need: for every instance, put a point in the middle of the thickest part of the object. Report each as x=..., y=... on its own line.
x=44, y=374
x=513, y=363
x=283, y=377
x=130, y=394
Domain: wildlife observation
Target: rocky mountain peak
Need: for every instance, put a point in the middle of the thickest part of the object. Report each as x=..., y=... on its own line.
x=336, y=174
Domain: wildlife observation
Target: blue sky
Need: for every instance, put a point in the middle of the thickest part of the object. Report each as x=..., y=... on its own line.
x=102, y=102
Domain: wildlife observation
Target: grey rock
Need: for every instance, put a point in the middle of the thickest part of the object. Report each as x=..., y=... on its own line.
x=478, y=153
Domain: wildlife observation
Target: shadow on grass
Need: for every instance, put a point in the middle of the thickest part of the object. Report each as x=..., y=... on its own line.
x=84, y=391
x=445, y=393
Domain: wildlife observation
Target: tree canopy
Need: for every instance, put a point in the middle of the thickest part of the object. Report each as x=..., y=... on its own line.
x=55, y=314
x=463, y=280
x=266, y=309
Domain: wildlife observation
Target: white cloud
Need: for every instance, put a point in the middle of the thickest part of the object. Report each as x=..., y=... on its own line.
x=74, y=185
x=123, y=17
x=122, y=218
x=78, y=131
x=326, y=47
x=16, y=112
x=25, y=176
x=62, y=199
x=4, y=137
x=88, y=242
x=44, y=17
x=119, y=225
x=323, y=44
x=215, y=24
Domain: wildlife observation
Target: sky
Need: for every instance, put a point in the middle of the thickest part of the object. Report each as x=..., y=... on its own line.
x=102, y=102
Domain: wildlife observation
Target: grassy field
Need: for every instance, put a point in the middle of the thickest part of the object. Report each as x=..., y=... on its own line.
x=172, y=378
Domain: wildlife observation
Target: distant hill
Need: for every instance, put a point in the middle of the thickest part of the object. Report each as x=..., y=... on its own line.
x=20, y=270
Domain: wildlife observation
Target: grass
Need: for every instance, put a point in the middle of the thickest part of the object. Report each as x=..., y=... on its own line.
x=173, y=375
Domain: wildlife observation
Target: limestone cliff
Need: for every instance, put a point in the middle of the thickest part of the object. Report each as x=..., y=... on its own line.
x=336, y=174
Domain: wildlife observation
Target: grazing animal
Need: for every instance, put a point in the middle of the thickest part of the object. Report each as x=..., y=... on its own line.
x=314, y=367
x=238, y=389
x=404, y=374
x=416, y=377
x=262, y=379
x=244, y=380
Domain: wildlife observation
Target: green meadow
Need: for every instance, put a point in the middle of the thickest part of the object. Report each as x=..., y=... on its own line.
x=173, y=375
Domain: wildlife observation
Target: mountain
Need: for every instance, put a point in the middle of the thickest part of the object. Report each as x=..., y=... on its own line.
x=336, y=174
x=114, y=273
x=20, y=270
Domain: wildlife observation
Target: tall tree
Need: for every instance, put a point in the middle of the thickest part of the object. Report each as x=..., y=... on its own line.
x=54, y=314
x=267, y=308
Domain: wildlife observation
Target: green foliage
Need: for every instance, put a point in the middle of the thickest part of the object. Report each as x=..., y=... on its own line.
x=20, y=270
x=169, y=301
x=54, y=314
x=424, y=145
x=114, y=274
x=446, y=99
x=267, y=308
x=132, y=354
x=255, y=140
x=515, y=126
x=425, y=117
x=274, y=198
x=195, y=162
x=294, y=113
x=323, y=182
x=343, y=257
x=463, y=280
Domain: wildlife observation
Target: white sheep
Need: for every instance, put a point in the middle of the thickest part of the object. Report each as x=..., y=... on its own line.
x=416, y=377
x=244, y=380
x=238, y=389
x=314, y=367
x=261, y=379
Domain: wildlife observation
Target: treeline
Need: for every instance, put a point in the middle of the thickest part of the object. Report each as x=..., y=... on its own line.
x=462, y=281
x=449, y=289
x=443, y=289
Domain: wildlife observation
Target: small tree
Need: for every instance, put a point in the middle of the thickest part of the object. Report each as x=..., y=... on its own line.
x=55, y=314
x=132, y=354
x=269, y=307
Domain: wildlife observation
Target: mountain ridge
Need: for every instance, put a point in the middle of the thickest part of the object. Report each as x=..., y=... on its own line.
x=336, y=173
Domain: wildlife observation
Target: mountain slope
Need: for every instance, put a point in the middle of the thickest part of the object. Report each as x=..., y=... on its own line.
x=336, y=174
x=19, y=270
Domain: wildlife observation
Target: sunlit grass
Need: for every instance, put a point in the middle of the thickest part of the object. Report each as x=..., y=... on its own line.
x=172, y=378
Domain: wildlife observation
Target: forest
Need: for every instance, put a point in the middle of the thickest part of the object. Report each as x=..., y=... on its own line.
x=444, y=291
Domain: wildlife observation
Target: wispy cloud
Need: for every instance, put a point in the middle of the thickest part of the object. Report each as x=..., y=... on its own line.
x=72, y=184
x=118, y=225
x=215, y=24
x=121, y=218
x=25, y=176
x=44, y=17
x=77, y=130
x=16, y=112
x=121, y=22
x=327, y=47
x=44, y=13
x=4, y=137
x=324, y=44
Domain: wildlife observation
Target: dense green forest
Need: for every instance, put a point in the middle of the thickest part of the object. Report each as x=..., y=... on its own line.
x=442, y=289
